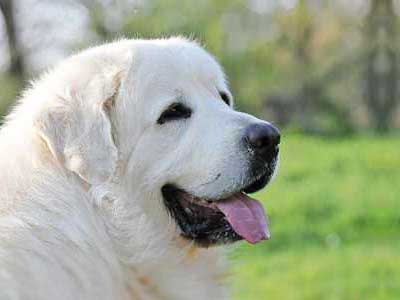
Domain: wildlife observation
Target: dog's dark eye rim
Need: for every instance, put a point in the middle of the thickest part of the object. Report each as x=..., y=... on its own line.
x=224, y=96
x=175, y=111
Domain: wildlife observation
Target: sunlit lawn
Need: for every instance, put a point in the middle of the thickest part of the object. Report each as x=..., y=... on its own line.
x=335, y=222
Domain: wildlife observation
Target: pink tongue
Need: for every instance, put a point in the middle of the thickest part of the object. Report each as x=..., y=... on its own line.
x=246, y=216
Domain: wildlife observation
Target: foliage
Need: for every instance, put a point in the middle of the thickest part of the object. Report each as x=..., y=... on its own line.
x=334, y=221
x=10, y=87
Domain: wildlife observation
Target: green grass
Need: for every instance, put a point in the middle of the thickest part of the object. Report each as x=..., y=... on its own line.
x=10, y=88
x=335, y=220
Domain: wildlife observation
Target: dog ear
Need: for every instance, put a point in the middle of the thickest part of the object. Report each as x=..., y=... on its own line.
x=77, y=129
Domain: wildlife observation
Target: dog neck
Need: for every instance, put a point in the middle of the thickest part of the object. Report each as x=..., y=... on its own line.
x=167, y=267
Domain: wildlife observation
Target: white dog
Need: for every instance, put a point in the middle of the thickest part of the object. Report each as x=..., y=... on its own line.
x=118, y=170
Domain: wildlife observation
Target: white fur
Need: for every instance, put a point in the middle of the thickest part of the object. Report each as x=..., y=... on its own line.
x=82, y=162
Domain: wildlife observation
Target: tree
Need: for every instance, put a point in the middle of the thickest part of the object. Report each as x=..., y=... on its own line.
x=305, y=99
x=381, y=74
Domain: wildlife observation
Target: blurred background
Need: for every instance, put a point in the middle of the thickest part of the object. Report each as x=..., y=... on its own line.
x=326, y=72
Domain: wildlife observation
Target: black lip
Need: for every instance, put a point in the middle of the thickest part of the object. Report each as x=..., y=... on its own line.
x=205, y=226
x=262, y=171
x=258, y=185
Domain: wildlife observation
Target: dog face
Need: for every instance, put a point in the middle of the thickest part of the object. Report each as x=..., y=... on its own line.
x=186, y=150
x=151, y=125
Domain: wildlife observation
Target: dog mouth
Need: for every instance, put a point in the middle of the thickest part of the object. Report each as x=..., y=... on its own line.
x=221, y=221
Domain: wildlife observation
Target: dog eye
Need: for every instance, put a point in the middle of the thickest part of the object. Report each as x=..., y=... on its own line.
x=175, y=111
x=225, y=98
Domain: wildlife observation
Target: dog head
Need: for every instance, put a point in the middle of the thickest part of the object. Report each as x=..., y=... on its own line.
x=159, y=131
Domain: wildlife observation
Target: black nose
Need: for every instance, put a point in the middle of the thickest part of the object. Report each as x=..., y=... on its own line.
x=263, y=138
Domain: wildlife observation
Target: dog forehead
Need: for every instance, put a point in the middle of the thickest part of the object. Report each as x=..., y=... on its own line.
x=176, y=58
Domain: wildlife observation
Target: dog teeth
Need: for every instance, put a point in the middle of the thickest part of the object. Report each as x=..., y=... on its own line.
x=206, y=202
x=188, y=211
